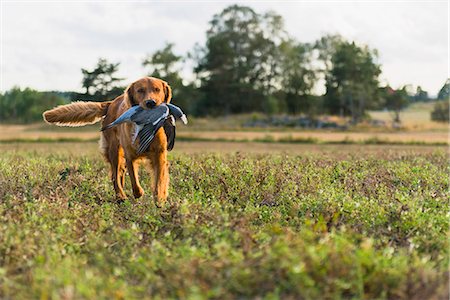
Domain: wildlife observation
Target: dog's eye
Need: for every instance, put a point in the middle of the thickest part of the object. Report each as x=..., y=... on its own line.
x=157, y=90
x=140, y=91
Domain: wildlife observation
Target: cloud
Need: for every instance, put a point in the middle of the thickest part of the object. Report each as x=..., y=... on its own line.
x=45, y=44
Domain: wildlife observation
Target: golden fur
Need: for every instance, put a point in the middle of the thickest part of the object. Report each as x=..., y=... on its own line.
x=116, y=144
x=77, y=113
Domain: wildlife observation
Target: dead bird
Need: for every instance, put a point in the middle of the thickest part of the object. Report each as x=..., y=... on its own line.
x=148, y=121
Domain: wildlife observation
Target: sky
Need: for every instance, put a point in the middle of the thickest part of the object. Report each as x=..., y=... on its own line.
x=44, y=44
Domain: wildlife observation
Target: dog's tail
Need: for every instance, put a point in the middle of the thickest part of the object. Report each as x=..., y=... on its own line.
x=77, y=113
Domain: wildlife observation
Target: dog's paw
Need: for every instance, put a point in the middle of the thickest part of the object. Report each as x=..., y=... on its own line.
x=120, y=198
x=138, y=193
x=160, y=202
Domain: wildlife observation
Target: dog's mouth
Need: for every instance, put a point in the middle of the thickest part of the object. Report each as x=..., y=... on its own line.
x=149, y=104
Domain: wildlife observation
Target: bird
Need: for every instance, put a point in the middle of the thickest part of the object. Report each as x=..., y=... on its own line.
x=169, y=124
x=177, y=112
x=148, y=121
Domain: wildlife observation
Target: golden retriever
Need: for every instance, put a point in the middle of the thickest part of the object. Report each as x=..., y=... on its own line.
x=116, y=143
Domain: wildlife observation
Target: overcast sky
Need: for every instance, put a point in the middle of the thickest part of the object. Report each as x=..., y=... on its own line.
x=45, y=43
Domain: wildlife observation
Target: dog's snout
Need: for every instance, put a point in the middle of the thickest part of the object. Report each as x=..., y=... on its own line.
x=150, y=103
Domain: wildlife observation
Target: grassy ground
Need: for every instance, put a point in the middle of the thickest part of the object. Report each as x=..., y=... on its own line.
x=40, y=132
x=417, y=129
x=327, y=150
x=417, y=117
x=293, y=221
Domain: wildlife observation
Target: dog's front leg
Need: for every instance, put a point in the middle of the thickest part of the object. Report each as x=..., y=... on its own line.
x=160, y=176
x=133, y=170
x=117, y=161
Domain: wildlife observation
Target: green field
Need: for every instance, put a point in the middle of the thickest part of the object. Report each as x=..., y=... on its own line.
x=272, y=221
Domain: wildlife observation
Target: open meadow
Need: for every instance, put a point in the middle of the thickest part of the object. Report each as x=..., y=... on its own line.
x=312, y=153
x=244, y=220
x=253, y=213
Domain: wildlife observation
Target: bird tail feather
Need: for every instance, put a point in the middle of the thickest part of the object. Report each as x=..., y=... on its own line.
x=78, y=113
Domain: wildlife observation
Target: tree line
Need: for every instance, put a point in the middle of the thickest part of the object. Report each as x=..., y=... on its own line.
x=26, y=105
x=250, y=63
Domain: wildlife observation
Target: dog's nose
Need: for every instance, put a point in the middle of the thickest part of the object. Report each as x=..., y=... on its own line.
x=150, y=103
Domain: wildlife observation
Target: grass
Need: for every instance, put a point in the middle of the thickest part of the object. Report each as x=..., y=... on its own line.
x=417, y=129
x=416, y=117
x=255, y=137
x=321, y=225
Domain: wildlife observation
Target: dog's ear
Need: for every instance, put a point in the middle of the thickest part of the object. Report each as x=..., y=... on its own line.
x=129, y=94
x=167, y=92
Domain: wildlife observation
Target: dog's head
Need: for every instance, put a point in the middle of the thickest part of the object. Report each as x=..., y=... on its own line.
x=148, y=92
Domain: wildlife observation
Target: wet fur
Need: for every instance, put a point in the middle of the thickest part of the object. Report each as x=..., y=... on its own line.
x=115, y=143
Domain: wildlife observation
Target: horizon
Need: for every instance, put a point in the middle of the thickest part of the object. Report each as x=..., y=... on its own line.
x=67, y=36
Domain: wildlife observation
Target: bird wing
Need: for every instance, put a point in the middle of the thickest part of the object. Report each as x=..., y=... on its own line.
x=155, y=120
x=137, y=129
x=147, y=134
x=170, y=130
x=125, y=117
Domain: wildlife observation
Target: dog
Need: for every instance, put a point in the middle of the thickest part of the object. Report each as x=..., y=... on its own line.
x=116, y=143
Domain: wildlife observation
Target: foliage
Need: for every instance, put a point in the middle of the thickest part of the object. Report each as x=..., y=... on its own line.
x=297, y=76
x=101, y=83
x=396, y=100
x=240, y=61
x=444, y=92
x=352, y=82
x=165, y=64
x=237, y=226
x=326, y=47
x=441, y=112
x=420, y=95
x=249, y=63
x=26, y=105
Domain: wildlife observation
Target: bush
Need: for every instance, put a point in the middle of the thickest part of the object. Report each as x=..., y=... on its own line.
x=440, y=112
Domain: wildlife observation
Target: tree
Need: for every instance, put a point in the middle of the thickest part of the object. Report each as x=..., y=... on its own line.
x=165, y=64
x=352, y=80
x=239, y=67
x=101, y=83
x=444, y=92
x=396, y=101
x=326, y=47
x=297, y=76
x=420, y=94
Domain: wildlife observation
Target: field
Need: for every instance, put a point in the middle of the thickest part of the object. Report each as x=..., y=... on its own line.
x=417, y=117
x=262, y=213
x=244, y=220
x=418, y=129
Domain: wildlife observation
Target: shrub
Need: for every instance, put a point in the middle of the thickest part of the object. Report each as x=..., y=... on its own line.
x=440, y=112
